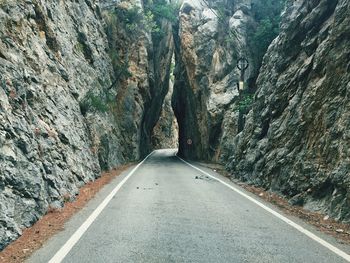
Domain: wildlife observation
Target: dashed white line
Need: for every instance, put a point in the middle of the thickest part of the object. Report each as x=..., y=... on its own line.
x=64, y=250
x=276, y=214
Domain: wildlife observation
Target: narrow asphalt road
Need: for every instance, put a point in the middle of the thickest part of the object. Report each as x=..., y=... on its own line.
x=169, y=212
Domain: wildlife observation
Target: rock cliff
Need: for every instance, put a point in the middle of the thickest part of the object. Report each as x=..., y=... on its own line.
x=210, y=37
x=297, y=137
x=165, y=133
x=77, y=95
x=83, y=84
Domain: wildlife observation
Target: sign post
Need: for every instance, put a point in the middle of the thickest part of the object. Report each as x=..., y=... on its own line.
x=242, y=65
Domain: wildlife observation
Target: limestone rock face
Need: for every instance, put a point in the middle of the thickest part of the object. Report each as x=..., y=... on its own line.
x=73, y=100
x=297, y=137
x=165, y=133
x=159, y=81
x=209, y=40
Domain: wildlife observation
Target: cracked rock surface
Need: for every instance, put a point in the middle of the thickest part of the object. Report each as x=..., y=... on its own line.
x=297, y=137
x=208, y=44
x=65, y=112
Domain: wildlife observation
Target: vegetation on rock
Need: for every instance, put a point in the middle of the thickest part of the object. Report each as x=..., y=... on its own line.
x=267, y=15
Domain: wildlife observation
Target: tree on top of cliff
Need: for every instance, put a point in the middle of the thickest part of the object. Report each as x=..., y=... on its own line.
x=161, y=9
x=267, y=14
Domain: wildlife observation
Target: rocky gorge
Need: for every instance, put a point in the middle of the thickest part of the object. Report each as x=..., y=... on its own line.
x=81, y=90
x=288, y=132
x=89, y=85
x=296, y=137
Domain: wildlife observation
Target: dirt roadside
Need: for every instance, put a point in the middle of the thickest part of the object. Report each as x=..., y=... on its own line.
x=34, y=237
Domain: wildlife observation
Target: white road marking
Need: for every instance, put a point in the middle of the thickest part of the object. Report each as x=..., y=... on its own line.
x=64, y=250
x=283, y=218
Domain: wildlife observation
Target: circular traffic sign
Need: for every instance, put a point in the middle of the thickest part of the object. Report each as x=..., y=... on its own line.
x=242, y=63
x=189, y=141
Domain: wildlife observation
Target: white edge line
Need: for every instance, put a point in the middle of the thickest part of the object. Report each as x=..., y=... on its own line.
x=64, y=250
x=283, y=218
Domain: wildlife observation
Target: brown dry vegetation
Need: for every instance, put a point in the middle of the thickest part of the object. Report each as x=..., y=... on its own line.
x=34, y=237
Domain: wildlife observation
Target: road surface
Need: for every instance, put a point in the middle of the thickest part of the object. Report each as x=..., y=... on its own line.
x=167, y=211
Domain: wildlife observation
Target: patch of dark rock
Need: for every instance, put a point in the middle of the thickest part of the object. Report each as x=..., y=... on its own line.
x=75, y=95
x=264, y=129
x=324, y=189
x=34, y=80
x=187, y=9
x=83, y=108
x=98, y=12
x=84, y=47
x=49, y=14
x=2, y=55
x=215, y=135
x=30, y=97
x=61, y=165
x=103, y=152
x=64, y=75
x=297, y=200
x=47, y=168
x=10, y=134
x=40, y=19
x=63, y=138
x=22, y=145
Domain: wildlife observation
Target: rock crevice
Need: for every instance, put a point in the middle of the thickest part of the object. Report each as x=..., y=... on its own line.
x=296, y=138
x=79, y=94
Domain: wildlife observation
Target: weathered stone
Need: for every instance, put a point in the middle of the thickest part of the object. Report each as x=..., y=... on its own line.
x=165, y=133
x=300, y=119
x=205, y=101
x=66, y=113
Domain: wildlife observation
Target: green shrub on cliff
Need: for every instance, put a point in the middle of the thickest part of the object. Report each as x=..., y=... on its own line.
x=149, y=19
x=132, y=18
x=265, y=32
x=93, y=101
x=245, y=104
x=267, y=14
x=161, y=9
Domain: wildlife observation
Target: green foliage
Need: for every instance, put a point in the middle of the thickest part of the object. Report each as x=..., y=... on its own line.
x=150, y=20
x=159, y=10
x=79, y=47
x=245, y=103
x=120, y=67
x=221, y=12
x=96, y=102
x=132, y=18
x=267, y=14
x=135, y=21
x=265, y=33
x=163, y=10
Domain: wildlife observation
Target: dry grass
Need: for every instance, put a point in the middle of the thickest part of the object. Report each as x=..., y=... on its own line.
x=34, y=237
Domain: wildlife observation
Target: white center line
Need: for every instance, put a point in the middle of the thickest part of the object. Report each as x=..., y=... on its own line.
x=64, y=250
x=283, y=218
